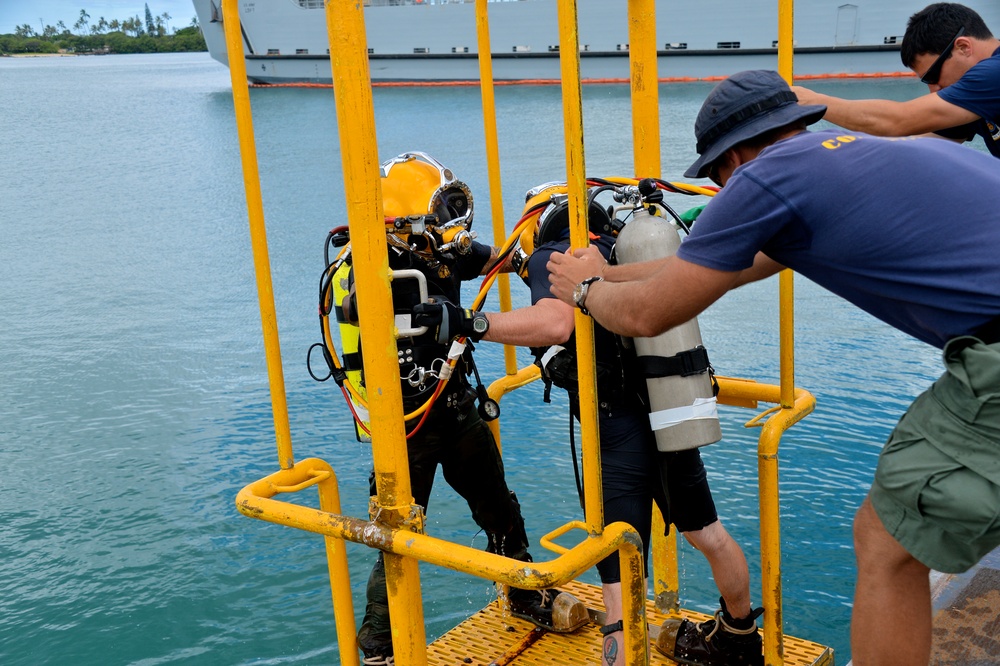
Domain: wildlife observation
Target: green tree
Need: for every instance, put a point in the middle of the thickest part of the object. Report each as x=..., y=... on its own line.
x=150, y=24
x=82, y=22
x=24, y=30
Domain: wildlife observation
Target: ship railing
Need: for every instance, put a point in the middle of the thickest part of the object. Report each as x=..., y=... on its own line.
x=397, y=525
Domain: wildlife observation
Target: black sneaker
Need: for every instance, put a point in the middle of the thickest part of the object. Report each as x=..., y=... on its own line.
x=714, y=642
x=549, y=609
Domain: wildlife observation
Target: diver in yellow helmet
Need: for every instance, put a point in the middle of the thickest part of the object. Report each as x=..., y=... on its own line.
x=633, y=471
x=427, y=209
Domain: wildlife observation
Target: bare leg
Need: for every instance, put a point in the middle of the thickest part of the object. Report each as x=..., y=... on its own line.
x=729, y=566
x=891, y=622
x=613, y=645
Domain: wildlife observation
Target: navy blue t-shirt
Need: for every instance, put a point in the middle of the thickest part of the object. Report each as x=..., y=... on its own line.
x=906, y=229
x=978, y=91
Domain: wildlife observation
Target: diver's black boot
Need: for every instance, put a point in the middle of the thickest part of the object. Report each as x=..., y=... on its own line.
x=721, y=641
x=378, y=660
x=550, y=609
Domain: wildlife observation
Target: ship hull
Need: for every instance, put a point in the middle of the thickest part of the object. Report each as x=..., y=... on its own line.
x=285, y=42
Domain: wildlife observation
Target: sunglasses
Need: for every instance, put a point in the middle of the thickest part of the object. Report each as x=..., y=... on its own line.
x=713, y=173
x=933, y=73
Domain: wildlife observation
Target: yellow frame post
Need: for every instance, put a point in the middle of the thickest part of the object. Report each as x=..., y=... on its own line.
x=493, y=163
x=646, y=162
x=362, y=188
x=258, y=232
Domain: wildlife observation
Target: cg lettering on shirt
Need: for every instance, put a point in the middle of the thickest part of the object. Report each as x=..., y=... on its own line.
x=833, y=144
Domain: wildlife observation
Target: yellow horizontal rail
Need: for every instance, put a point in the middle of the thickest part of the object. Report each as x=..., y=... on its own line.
x=256, y=501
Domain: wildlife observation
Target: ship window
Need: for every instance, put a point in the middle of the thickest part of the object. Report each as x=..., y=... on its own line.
x=370, y=51
x=774, y=44
x=421, y=49
x=893, y=39
x=274, y=52
x=623, y=47
x=521, y=49
x=553, y=48
x=676, y=46
x=585, y=47
x=311, y=4
x=727, y=45
x=301, y=51
x=460, y=49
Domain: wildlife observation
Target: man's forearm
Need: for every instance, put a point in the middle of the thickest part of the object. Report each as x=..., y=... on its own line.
x=548, y=322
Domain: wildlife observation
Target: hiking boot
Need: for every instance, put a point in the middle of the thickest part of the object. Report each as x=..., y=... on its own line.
x=379, y=660
x=549, y=609
x=721, y=641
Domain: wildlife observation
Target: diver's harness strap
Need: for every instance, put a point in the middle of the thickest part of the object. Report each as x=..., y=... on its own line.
x=686, y=363
x=351, y=361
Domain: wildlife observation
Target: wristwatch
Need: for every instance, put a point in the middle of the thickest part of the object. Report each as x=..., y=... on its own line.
x=480, y=324
x=580, y=293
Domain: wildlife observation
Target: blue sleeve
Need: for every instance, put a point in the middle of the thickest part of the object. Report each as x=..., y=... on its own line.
x=737, y=224
x=470, y=266
x=978, y=90
x=538, y=275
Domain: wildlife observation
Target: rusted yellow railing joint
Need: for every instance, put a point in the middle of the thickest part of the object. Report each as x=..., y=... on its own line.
x=255, y=501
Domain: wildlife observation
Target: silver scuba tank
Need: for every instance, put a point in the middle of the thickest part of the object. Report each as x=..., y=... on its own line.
x=683, y=410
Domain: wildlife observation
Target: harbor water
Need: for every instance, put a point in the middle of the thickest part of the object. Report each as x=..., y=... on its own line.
x=134, y=400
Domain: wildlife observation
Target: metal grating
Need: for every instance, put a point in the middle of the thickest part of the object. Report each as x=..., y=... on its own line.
x=491, y=638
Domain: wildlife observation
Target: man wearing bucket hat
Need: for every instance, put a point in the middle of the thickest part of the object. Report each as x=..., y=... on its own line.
x=957, y=57
x=808, y=201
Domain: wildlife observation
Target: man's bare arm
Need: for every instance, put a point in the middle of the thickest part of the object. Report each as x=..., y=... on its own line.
x=882, y=117
x=677, y=292
x=547, y=322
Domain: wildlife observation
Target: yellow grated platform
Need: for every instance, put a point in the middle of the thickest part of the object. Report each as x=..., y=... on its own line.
x=490, y=638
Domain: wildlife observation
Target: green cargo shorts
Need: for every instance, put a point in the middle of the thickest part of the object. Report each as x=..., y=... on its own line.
x=937, y=485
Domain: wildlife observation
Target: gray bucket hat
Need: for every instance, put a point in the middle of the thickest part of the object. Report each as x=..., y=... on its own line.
x=745, y=105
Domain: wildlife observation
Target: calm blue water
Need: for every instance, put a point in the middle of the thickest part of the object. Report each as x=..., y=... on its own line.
x=133, y=393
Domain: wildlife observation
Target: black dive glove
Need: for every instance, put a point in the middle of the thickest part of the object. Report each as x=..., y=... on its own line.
x=451, y=321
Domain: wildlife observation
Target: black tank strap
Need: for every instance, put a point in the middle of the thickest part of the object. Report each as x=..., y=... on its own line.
x=686, y=363
x=352, y=361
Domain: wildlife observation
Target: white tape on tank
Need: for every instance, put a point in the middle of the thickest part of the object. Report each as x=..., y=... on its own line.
x=702, y=408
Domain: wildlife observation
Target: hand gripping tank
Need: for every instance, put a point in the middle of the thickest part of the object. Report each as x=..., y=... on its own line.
x=683, y=407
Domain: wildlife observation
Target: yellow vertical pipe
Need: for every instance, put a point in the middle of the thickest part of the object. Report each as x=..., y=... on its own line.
x=258, y=232
x=645, y=90
x=770, y=547
x=786, y=284
x=636, y=638
x=646, y=160
x=493, y=162
x=770, y=525
x=362, y=188
x=340, y=577
x=576, y=180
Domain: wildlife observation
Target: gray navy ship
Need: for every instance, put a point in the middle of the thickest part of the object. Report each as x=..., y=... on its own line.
x=285, y=41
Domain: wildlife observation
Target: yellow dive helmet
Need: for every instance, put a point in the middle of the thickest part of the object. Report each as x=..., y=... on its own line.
x=427, y=210
x=550, y=203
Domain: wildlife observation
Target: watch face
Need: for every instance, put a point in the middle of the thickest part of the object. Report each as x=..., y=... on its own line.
x=578, y=293
x=480, y=324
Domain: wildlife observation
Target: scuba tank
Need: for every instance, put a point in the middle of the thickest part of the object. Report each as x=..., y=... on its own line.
x=683, y=408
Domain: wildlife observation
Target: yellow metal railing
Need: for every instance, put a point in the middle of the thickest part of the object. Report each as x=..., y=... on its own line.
x=397, y=524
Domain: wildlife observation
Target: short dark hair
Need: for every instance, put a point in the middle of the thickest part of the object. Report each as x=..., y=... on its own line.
x=932, y=28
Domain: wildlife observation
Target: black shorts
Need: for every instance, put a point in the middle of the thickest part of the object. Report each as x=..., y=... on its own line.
x=634, y=474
